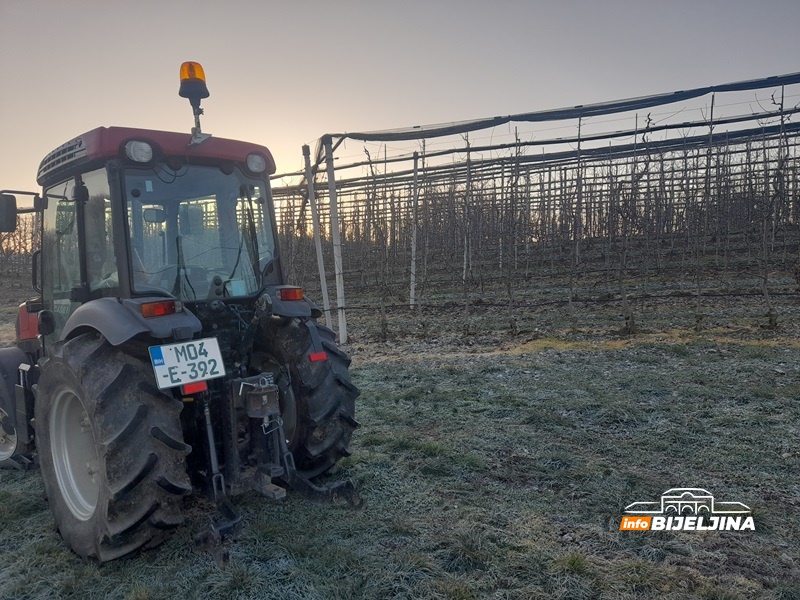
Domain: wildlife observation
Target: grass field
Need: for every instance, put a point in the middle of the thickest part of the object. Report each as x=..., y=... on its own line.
x=496, y=465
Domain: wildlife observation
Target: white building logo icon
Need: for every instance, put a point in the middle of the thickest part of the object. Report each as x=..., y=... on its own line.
x=687, y=509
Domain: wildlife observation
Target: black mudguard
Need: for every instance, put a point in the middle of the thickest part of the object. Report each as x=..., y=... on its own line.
x=118, y=320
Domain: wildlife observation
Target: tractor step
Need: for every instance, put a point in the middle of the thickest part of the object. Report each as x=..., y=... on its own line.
x=21, y=462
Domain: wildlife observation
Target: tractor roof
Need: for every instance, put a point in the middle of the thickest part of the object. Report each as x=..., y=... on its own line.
x=105, y=143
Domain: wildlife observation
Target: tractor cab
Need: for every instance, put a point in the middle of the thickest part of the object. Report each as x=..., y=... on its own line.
x=134, y=213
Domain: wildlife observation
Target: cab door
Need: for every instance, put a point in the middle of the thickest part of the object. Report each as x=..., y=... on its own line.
x=77, y=245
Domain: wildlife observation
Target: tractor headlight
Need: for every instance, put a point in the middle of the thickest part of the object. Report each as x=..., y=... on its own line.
x=139, y=151
x=256, y=163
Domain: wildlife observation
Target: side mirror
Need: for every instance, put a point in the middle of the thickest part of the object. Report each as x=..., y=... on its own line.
x=8, y=213
x=47, y=322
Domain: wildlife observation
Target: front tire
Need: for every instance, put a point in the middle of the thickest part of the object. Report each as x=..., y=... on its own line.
x=9, y=442
x=11, y=446
x=111, y=449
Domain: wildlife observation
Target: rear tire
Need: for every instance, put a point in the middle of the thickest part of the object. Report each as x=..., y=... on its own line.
x=324, y=395
x=111, y=449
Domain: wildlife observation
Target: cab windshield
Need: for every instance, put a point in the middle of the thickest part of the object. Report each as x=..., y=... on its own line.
x=197, y=233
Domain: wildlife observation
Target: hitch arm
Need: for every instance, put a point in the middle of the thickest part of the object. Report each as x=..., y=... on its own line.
x=212, y=540
x=344, y=490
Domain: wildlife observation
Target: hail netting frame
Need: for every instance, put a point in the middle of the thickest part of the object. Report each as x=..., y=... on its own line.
x=699, y=187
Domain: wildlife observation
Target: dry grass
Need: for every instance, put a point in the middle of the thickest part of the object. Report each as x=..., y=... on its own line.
x=497, y=466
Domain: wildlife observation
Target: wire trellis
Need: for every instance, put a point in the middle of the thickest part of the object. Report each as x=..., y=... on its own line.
x=716, y=196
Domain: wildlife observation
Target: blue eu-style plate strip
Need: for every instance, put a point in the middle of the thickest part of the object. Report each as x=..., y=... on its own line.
x=156, y=357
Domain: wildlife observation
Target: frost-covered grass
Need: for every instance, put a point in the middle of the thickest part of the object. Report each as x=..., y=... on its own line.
x=497, y=466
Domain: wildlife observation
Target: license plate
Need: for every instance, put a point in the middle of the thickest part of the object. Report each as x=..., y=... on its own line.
x=186, y=362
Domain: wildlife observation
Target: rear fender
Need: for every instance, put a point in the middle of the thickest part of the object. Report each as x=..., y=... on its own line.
x=118, y=320
x=291, y=308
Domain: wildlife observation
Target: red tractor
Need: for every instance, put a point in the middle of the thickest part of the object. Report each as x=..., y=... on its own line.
x=165, y=353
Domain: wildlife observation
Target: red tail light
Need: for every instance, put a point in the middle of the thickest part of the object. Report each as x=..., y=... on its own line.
x=193, y=388
x=161, y=308
x=287, y=294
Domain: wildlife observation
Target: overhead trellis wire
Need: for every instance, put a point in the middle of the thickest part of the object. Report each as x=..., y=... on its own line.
x=418, y=132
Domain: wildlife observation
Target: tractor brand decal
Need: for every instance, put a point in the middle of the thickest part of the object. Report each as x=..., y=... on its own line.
x=62, y=307
x=687, y=509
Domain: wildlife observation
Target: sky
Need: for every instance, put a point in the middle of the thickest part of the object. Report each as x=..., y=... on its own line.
x=283, y=73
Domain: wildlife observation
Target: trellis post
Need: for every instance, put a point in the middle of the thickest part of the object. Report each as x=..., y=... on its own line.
x=412, y=295
x=312, y=201
x=337, y=241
